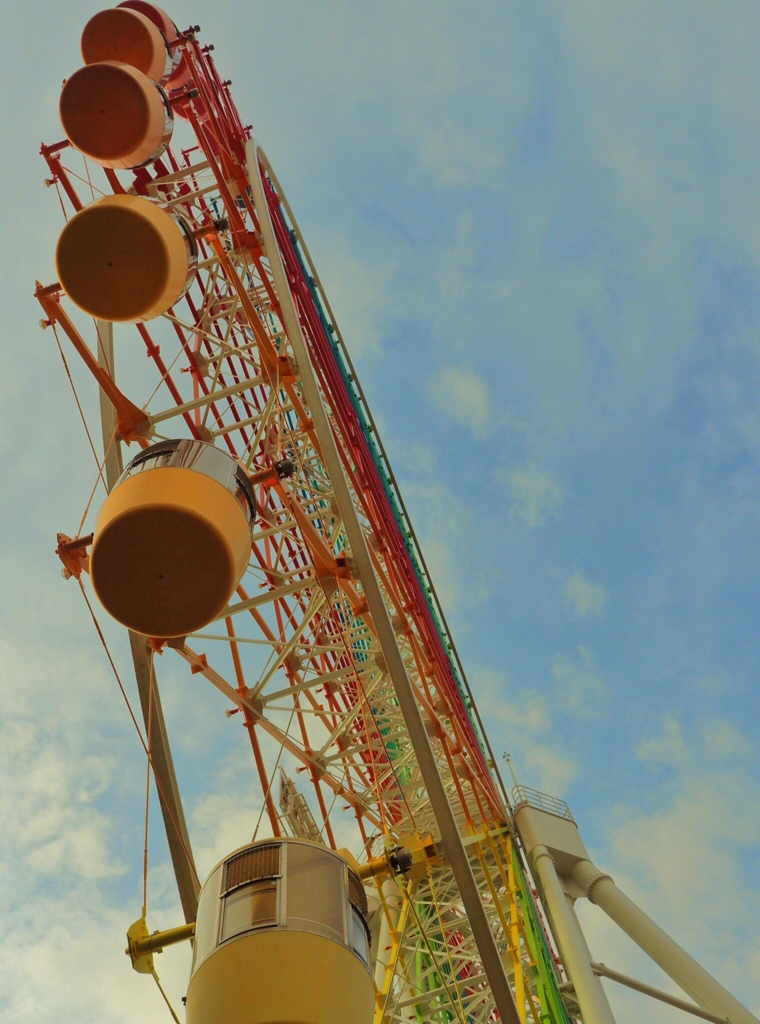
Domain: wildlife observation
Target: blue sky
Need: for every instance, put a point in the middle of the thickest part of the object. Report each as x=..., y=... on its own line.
x=539, y=228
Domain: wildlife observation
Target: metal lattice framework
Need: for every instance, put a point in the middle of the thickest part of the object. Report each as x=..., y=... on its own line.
x=298, y=653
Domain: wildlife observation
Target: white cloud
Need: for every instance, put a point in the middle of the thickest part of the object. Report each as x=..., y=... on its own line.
x=547, y=769
x=463, y=395
x=70, y=849
x=498, y=700
x=356, y=289
x=724, y=742
x=714, y=684
x=579, y=685
x=455, y=154
x=54, y=776
x=584, y=596
x=519, y=721
x=441, y=518
x=667, y=749
x=220, y=823
x=71, y=966
x=721, y=741
x=536, y=494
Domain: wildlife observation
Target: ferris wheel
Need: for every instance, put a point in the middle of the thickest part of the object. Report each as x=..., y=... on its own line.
x=253, y=528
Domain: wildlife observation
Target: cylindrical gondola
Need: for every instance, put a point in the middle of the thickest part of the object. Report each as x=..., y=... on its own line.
x=281, y=935
x=173, y=538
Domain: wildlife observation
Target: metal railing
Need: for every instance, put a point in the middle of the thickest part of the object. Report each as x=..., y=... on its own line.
x=523, y=796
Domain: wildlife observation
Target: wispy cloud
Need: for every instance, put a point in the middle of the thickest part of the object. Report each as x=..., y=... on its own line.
x=584, y=596
x=579, y=685
x=463, y=396
x=71, y=840
x=357, y=290
x=441, y=516
x=536, y=495
x=499, y=700
x=41, y=974
x=668, y=748
x=520, y=720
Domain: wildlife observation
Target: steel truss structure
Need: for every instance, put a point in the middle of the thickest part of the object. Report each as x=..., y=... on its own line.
x=228, y=372
x=252, y=360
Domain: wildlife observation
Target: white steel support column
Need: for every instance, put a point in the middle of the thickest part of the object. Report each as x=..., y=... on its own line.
x=111, y=443
x=161, y=755
x=588, y=956
x=675, y=961
x=453, y=848
x=588, y=990
x=393, y=901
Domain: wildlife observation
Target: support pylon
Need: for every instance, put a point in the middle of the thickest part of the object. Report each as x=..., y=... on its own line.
x=565, y=872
